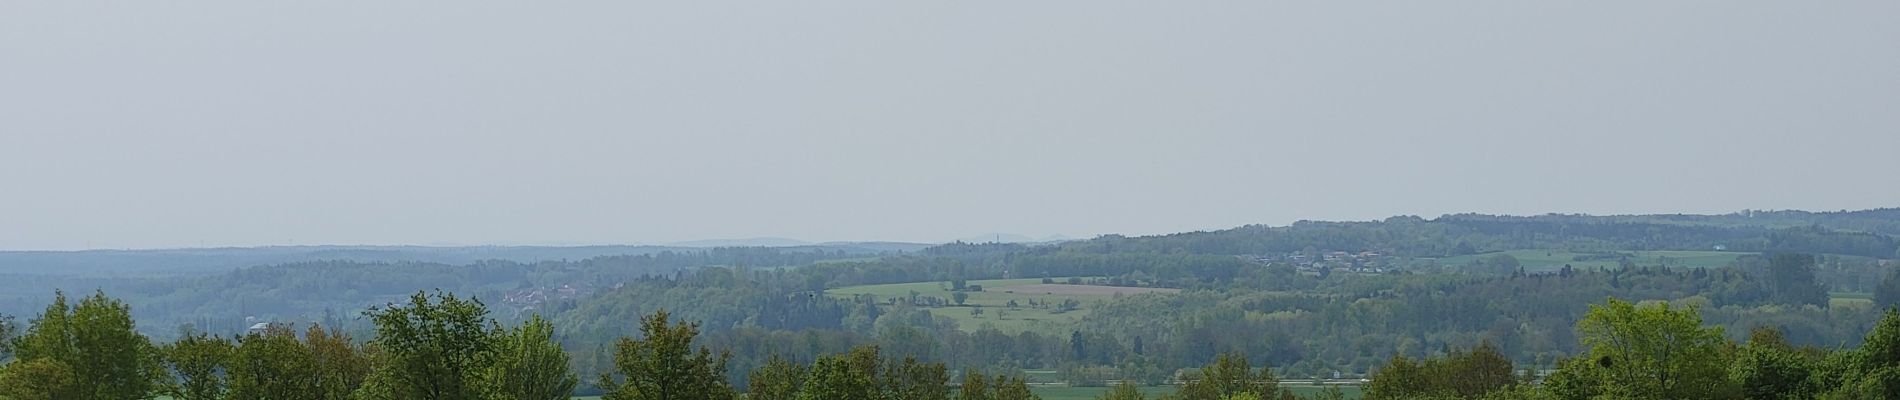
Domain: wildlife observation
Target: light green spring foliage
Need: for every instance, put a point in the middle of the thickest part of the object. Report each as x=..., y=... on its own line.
x=427, y=349
x=528, y=364
x=85, y=352
x=1656, y=352
x=861, y=374
x=1770, y=369
x=663, y=365
x=1870, y=372
x=433, y=348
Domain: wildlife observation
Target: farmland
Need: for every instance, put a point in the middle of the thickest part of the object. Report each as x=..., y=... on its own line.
x=1036, y=302
x=1850, y=299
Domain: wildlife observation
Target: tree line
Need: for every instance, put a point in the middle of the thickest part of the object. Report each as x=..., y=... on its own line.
x=440, y=346
x=434, y=347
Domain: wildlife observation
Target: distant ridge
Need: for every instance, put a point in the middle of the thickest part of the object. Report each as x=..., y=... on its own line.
x=224, y=259
x=748, y=242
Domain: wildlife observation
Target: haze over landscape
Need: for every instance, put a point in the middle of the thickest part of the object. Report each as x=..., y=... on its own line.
x=240, y=123
x=852, y=200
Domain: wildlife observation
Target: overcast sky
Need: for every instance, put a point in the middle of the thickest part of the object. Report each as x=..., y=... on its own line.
x=213, y=123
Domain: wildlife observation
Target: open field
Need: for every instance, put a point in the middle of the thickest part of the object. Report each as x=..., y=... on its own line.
x=1850, y=299
x=995, y=298
x=1552, y=260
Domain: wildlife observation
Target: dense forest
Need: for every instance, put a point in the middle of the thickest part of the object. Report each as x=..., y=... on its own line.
x=1322, y=303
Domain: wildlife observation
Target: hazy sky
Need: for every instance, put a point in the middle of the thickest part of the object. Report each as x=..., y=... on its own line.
x=188, y=123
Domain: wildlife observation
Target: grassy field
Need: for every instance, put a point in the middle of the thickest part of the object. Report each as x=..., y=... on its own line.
x=1552, y=260
x=995, y=297
x=1850, y=299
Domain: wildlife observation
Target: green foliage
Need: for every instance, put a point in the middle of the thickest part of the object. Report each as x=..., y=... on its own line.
x=341, y=365
x=272, y=365
x=1871, y=371
x=39, y=379
x=1231, y=375
x=6, y=336
x=663, y=365
x=912, y=379
x=975, y=387
x=95, y=344
x=1331, y=392
x=1770, y=372
x=1011, y=388
x=851, y=376
x=1655, y=352
x=778, y=379
x=1887, y=294
x=528, y=364
x=1124, y=391
x=199, y=363
x=431, y=349
x=1460, y=374
x=1790, y=280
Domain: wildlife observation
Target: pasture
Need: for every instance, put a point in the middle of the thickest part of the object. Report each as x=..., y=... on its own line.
x=1037, y=304
x=1850, y=299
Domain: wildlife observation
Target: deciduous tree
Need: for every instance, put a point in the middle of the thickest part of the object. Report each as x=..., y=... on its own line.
x=528, y=364
x=198, y=362
x=433, y=348
x=663, y=365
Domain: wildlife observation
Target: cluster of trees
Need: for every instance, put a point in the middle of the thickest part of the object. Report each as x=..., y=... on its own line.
x=1656, y=351
x=862, y=374
x=435, y=347
x=1313, y=326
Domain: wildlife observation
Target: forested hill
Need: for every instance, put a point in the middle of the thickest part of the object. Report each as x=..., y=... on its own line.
x=1867, y=233
x=163, y=262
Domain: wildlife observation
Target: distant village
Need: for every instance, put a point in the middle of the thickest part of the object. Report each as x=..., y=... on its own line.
x=1370, y=262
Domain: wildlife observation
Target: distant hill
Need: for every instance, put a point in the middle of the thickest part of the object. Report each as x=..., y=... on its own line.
x=1012, y=238
x=751, y=242
x=161, y=262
